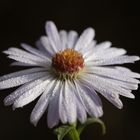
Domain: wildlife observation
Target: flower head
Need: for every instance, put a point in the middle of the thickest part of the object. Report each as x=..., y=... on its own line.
x=67, y=73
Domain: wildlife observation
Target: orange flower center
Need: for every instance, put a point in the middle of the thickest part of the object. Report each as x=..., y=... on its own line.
x=68, y=61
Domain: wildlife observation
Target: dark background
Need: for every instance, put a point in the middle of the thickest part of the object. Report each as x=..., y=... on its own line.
x=117, y=21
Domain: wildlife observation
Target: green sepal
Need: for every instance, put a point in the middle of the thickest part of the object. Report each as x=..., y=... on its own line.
x=89, y=122
x=67, y=131
x=73, y=134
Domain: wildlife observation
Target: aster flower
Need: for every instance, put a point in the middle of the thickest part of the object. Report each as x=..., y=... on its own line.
x=68, y=71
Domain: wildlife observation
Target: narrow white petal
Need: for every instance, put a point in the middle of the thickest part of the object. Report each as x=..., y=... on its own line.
x=107, y=89
x=90, y=100
x=22, y=89
x=81, y=112
x=23, y=54
x=28, y=61
x=34, y=51
x=128, y=72
x=53, y=109
x=63, y=37
x=46, y=66
x=62, y=108
x=85, y=39
x=42, y=103
x=72, y=38
x=88, y=52
x=105, y=83
x=20, y=64
x=45, y=42
x=39, y=109
x=70, y=102
x=96, y=50
x=115, y=60
x=67, y=103
x=112, y=73
x=53, y=36
x=123, y=84
x=20, y=73
x=109, y=53
x=41, y=47
x=13, y=82
x=30, y=95
x=23, y=60
x=102, y=46
x=123, y=69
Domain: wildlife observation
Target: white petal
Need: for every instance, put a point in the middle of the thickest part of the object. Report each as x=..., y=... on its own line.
x=108, y=53
x=102, y=46
x=28, y=61
x=85, y=39
x=67, y=103
x=23, y=54
x=62, y=108
x=128, y=72
x=53, y=36
x=19, y=80
x=126, y=85
x=41, y=47
x=23, y=60
x=39, y=109
x=20, y=73
x=13, y=82
x=72, y=38
x=30, y=95
x=81, y=112
x=42, y=104
x=88, y=52
x=70, y=102
x=112, y=87
x=105, y=88
x=90, y=100
x=20, y=64
x=21, y=90
x=53, y=109
x=63, y=37
x=34, y=51
x=115, y=60
x=45, y=42
x=112, y=73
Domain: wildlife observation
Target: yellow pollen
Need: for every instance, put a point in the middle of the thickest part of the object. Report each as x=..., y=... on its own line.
x=68, y=62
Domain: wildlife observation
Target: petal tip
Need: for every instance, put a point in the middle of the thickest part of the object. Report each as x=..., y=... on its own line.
x=33, y=121
x=5, y=102
x=14, y=107
x=138, y=58
x=120, y=106
x=49, y=24
x=132, y=96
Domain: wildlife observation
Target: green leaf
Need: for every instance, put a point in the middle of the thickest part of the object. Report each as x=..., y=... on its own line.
x=89, y=122
x=62, y=131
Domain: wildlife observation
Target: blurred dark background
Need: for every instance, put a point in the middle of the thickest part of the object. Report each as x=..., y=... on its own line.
x=114, y=20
